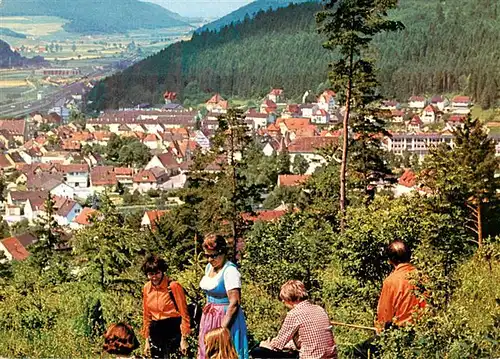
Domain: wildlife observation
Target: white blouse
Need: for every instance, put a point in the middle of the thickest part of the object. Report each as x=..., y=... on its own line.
x=232, y=278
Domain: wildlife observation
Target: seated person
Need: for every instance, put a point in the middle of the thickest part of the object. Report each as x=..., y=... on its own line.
x=120, y=340
x=306, y=326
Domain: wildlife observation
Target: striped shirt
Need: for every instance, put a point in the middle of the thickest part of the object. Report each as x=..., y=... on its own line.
x=310, y=329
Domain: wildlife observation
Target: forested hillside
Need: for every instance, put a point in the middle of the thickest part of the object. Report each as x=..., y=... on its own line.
x=447, y=47
x=96, y=16
x=249, y=11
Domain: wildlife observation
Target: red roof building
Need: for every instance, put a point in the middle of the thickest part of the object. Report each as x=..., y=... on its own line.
x=263, y=216
x=408, y=178
x=292, y=180
x=83, y=219
x=310, y=144
x=15, y=248
x=461, y=100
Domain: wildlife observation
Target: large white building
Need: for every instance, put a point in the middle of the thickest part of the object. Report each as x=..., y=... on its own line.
x=416, y=143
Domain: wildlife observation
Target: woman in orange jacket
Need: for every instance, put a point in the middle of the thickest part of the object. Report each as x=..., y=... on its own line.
x=165, y=314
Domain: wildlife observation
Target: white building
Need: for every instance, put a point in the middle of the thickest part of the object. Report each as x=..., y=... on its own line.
x=416, y=102
x=416, y=143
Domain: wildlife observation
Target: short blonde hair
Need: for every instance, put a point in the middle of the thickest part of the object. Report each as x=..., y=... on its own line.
x=293, y=291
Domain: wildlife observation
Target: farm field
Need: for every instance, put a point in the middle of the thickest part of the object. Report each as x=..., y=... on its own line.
x=46, y=37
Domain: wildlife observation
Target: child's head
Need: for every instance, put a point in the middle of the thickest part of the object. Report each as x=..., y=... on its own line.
x=218, y=344
x=120, y=339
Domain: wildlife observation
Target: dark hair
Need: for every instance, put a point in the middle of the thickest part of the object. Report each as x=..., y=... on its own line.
x=398, y=252
x=120, y=339
x=153, y=264
x=215, y=242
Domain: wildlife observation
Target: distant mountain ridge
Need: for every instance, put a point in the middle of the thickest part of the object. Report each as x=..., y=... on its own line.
x=9, y=58
x=247, y=11
x=97, y=16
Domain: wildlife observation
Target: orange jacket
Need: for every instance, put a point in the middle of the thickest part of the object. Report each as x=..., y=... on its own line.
x=397, y=300
x=157, y=304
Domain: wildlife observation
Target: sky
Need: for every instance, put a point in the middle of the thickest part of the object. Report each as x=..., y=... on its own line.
x=201, y=8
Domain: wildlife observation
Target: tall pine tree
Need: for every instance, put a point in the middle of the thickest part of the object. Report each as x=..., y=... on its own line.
x=349, y=26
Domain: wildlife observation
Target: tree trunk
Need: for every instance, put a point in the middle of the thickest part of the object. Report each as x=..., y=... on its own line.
x=343, y=167
x=233, y=195
x=479, y=225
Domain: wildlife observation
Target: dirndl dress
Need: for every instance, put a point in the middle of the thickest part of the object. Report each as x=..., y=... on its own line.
x=217, y=303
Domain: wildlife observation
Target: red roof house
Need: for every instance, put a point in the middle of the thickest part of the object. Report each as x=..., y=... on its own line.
x=292, y=180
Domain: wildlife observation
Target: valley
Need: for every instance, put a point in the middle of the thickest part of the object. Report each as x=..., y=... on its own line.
x=91, y=57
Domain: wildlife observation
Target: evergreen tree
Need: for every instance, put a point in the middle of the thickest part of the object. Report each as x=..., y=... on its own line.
x=349, y=26
x=108, y=251
x=227, y=193
x=300, y=165
x=463, y=176
x=283, y=162
x=368, y=163
x=4, y=228
x=50, y=252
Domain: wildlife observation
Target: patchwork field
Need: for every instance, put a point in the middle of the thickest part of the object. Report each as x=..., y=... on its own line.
x=12, y=83
x=35, y=26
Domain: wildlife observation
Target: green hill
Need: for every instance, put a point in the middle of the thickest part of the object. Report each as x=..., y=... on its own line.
x=447, y=47
x=249, y=10
x=96, y=16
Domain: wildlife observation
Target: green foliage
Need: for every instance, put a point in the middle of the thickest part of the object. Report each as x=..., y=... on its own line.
x=467, y=326
x=176, y=237
x=300, y=165
x=349, y=27
x=127, y=151
x=283, y=162
x=228, y=192
x=261, y=170
x=465, y=177
x=283, y=195
x=303, y=241
x=4, y=228
x=77, y=118
x=368, y=162
x=20, y=227
x=5, y=268
x=322, y=190
x=108, y=251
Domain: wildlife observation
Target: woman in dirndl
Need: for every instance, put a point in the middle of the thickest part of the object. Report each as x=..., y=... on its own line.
x=222, y=285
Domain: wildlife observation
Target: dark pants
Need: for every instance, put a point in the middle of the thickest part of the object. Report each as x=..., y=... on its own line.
x=365, y=350
x=165, y=337
x=264, y=353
